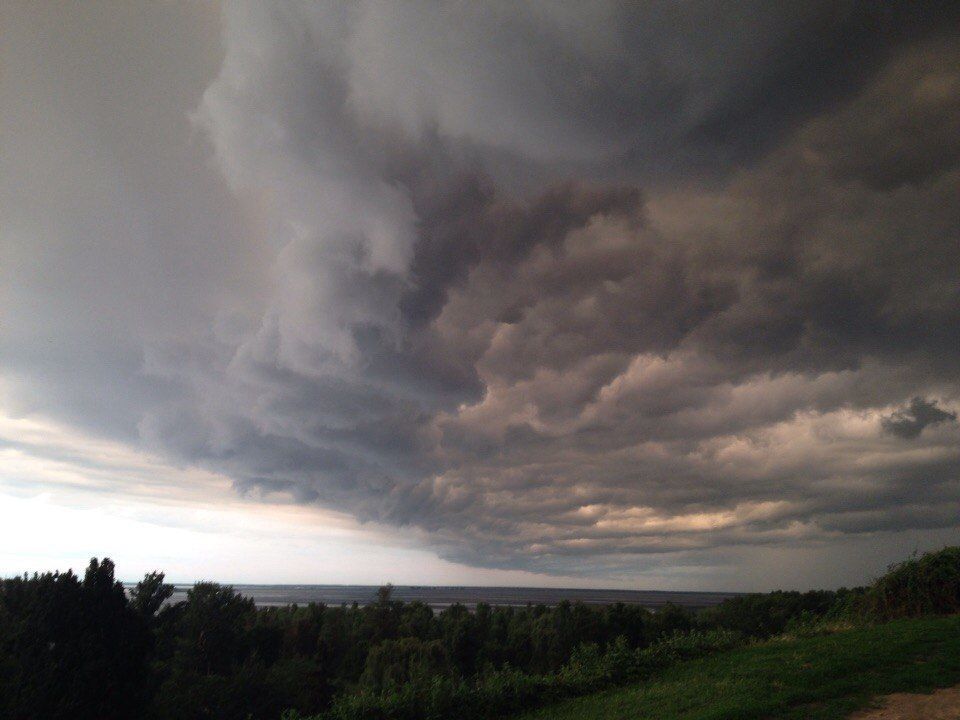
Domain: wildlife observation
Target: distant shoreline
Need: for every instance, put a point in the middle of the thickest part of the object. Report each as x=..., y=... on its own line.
x=439, y=597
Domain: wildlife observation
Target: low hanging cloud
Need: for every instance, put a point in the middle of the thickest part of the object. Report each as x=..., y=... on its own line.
x=567, y=295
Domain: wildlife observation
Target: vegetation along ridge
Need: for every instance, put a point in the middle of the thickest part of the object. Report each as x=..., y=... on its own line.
x=84, y=648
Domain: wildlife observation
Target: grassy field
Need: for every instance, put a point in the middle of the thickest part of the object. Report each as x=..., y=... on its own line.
x=820, y=677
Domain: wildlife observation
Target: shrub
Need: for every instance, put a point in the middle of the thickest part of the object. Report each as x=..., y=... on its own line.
x=762, y=615
x=497, y=693
x=926, y=585
x=394, y=663
x=686, y=646
x=586, y=669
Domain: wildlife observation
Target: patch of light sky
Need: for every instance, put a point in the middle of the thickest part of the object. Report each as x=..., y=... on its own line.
x=65, y=498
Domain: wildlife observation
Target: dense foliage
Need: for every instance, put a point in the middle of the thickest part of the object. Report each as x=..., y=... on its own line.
x=926, y=585
x=70, y=647
x=495, y=693
x=79, y=649
x=765, y=614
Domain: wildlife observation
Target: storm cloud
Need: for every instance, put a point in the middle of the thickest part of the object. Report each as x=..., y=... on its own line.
x=568, y=288
x=909, y=422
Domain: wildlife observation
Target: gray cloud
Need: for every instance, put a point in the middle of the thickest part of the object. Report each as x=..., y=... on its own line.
x=909, y=422
x=562, y=294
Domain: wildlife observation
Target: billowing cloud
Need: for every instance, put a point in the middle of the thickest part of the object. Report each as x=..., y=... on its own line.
x=569, y=289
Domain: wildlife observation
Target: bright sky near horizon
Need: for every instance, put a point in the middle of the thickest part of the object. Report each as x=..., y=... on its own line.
x=617, y=294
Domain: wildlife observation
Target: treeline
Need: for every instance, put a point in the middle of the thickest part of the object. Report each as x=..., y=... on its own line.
x=84, y=648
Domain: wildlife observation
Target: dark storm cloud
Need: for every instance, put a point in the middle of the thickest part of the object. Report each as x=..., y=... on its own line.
x=909, y=422
x=576, y=370
x=824, y=52
x=649, y=85
x=569, y=287
x=467, y=221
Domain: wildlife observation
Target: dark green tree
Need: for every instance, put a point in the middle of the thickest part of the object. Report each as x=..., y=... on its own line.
x=150, y=594
x=71, y=649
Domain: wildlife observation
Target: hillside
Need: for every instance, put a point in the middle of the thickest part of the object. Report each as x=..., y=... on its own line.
x=817, y=678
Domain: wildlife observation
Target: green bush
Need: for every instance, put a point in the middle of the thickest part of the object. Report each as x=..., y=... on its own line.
x=496, y=693
x=394, y=663
x=685, y=646
x=925, y=585
x=506, y=691
x=762, y=615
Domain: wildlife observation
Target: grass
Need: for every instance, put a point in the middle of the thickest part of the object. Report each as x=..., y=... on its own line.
x=823, y=677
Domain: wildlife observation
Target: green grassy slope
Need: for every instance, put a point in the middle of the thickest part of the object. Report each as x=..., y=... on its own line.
x=820, y=677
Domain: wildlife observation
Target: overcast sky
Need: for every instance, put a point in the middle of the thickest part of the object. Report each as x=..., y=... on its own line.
x=660, y=295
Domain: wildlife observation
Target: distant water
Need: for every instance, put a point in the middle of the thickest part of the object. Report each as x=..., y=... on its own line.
x=439, y=597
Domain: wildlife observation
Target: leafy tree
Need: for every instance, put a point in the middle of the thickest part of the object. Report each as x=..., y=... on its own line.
x=213, y=628
x=71, y=649
x=150, y=594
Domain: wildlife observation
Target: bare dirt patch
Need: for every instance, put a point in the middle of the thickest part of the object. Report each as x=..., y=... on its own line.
x=940, y=705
